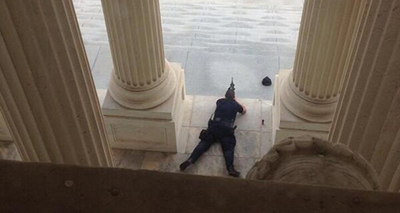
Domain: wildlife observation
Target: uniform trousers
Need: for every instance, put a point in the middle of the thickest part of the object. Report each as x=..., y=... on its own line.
x=217, y=133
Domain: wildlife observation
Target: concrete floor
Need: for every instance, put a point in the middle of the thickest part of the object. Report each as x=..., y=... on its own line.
x=214, y=40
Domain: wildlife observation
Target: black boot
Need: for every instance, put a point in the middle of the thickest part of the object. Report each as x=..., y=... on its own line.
x=186, y=164
x=232, y=172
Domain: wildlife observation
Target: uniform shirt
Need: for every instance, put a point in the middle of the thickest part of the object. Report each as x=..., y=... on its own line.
x=227, y=109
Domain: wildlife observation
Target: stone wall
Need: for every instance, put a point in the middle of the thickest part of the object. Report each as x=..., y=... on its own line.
x=33, y=187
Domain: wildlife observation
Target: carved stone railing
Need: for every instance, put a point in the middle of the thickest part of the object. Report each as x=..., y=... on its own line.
x=312, y=161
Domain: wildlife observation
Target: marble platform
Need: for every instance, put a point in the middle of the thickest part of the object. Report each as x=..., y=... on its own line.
x=253, y=141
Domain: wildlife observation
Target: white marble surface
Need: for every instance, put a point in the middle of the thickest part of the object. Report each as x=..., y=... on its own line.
x=103, y=67
x=266, y=115
x=187, y=113
x=92, y=52
x=251, y=144
x=265, y=143
x=183, y=139
x=247, y=144
x=203, y=107
x=130, y=159
x=250, y=121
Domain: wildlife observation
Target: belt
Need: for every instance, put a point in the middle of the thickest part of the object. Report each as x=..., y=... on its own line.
x=224, y=122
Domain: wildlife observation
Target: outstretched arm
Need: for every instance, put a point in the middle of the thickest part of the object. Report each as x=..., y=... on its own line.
x=244, y=108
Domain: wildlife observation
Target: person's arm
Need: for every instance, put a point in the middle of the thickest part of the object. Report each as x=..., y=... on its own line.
x=243, y=107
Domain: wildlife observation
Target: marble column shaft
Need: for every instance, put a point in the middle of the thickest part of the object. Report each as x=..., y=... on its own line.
x=142, y=78
x=326, y=40
x=5, y=135
x=46, y=89
x=368, y=113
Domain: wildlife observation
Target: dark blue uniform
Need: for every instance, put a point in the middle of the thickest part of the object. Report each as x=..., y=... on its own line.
x=221, y=130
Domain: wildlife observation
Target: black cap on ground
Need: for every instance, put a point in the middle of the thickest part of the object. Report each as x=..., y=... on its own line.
x=266, y=81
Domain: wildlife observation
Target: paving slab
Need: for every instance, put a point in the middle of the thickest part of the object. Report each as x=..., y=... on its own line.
x=210, y=74
x=286, y=62
x=128, y=159
x=92, y=52
x=266, y=115
x=103, y=68
x=187, y=110
x=266, y=143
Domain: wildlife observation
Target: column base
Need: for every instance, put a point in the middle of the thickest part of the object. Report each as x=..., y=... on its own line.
x=286, y=124
x=313, y=110
x=155, y=129
x=148, y=98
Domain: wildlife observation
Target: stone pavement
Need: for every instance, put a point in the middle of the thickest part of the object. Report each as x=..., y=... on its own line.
x=214, y=40
x=253, y=141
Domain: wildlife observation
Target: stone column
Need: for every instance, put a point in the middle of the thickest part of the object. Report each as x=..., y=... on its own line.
x=306, y=97
x=46, y=89
x=145, y=93
x=5, y=135
x=141, y=77
x=324, y=45
x=368, y=113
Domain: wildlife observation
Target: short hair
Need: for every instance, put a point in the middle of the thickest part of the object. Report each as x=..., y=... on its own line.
x=230, y=94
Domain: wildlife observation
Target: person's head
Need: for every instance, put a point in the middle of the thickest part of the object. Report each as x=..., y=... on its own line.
x=230, y=94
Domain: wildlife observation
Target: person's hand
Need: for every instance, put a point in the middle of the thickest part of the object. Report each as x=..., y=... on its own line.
x=244, y=108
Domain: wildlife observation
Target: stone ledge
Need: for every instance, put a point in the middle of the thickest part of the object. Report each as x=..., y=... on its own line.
x=33, y=187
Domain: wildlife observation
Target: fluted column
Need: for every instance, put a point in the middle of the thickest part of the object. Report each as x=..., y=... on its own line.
x=368, y=113
x=142, y=78
x=46, y=88
x=326, y=39
x=5, y=135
